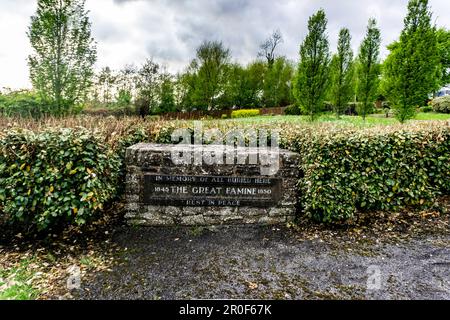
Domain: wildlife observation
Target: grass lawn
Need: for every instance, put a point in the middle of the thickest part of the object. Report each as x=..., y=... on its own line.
x=433, y=116
x=375, y=119
x=15, y=283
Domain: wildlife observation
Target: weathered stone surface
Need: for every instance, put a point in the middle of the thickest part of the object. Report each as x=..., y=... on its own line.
x=160, y=192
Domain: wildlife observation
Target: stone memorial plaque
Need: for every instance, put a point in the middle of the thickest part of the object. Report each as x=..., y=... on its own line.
x=214, y=191
x=160, y=192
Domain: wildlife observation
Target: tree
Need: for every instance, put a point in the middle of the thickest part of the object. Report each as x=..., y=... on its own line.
x=256, y=73
x=236, y=89
x=106, y=81
x=166, y=95
x=341, y=73
x=443, y=42
x=313, y=68
x=147, y=86
x=210, y=68
x=268, y=47
x=368, y=68
x=61, y=66
x=126, y=81
x=244, y=85
x=277, y=83
x=186, y=87
x=412, y=69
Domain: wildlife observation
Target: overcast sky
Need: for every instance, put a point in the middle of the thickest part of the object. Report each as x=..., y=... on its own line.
x=129, y=31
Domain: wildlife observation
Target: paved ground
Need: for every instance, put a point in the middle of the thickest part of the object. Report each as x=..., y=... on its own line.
x=269, y=263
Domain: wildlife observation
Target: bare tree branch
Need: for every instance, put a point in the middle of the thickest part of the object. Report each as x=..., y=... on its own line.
x=267, y=49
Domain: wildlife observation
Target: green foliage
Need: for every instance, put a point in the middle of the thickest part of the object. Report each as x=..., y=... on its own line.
x=368, y=69
x=443, y=43
x=185, y=88
x=341, y=73
x=312, y=74
x=64, y=53
x=412, y=70
x=106, y=79
x=148, y=84
x=348, y=164
x=167, y=97
x=55, y=178
x=123, y=98
x=132, y=136
x=426, y=109
x=441, y=104
x=21, y=287
x=252, y=86
x=24, y=104
x=210, y=69
x=293, y=110
x=245, y=113
x=114, y=89
x=347, y=172
x=243, y=86
x=276, y=88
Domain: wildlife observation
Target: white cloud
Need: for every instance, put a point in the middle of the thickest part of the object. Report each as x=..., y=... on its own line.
x=14, y=45
x=129, y=31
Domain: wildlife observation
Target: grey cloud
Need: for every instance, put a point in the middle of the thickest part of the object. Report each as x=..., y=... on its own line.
x=170, y=30
x=242, y=25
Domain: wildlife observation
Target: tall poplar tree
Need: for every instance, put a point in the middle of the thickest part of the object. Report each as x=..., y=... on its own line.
x=443, y=39
x=312, y=74
x=341, y=73
x=61, y=66
x=413, y=68
x=368, y=68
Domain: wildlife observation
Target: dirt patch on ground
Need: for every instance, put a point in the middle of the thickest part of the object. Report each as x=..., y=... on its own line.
x=409, y=251
x=269, y=263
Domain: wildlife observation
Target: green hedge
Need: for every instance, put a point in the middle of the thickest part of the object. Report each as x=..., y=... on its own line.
x=293, y=110
x=245, y=113
x=347, y=172
x=24, y=104
x=426, y=109
x=65, y=176
x=441, y=104
x=57, y=177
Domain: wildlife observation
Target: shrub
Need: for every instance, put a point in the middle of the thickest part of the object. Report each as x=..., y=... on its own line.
x=56, y=177
x=352, y=108
x=441, y=104
x=293, y=110
x=360, y=108
x=327, y=106
x=245, y=113
x=24, y=104
x=345, y=169
x=426, y=109
x=344, y=172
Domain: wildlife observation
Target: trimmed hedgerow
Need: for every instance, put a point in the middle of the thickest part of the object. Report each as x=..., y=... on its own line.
x=441, y=104
x=245, y=113
x=366, y=170
x=56, y=177
x=348, y=169
x=345, y=169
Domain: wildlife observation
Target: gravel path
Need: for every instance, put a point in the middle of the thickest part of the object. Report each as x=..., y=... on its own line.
x=269, y=263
